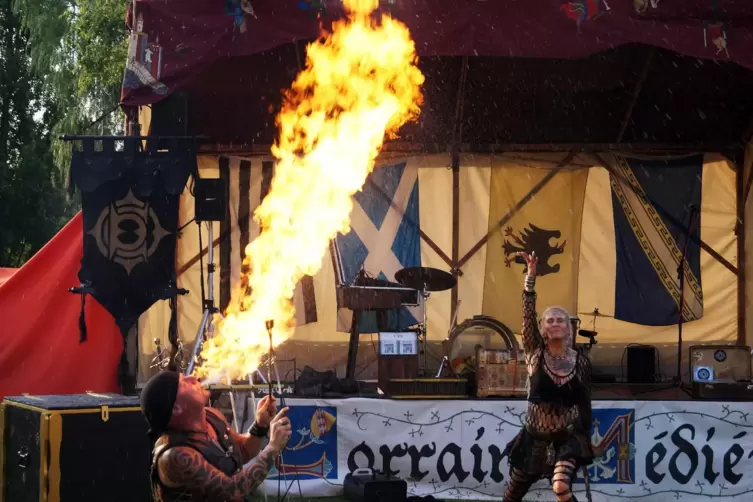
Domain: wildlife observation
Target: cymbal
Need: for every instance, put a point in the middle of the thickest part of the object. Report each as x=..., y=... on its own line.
x=425, y=278
x=595, y=313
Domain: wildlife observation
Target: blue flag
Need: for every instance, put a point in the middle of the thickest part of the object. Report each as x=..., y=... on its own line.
x=383, y=239
x=653, y=201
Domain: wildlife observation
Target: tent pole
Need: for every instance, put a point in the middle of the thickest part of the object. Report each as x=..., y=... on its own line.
x=457, y=137
x=455, y=234
x=740, y=206
x=636, y=93
x=747, y=134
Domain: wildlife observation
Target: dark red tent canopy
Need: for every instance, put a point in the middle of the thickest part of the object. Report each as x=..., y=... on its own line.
x=657, y=75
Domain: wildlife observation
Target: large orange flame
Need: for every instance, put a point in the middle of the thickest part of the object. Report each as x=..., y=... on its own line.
x=360, y=84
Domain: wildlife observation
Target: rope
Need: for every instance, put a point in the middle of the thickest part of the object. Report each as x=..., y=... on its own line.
x=98, y=120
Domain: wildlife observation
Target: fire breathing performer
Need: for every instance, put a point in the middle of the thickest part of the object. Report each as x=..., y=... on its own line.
x=197, y=455
x=554, y=441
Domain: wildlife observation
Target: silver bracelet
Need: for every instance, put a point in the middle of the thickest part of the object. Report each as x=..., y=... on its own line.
x=530, y=282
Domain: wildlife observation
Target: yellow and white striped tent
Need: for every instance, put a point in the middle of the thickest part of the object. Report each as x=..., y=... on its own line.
x=489, y=186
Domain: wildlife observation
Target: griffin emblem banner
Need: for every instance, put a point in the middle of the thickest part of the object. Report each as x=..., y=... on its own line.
x=549, y=223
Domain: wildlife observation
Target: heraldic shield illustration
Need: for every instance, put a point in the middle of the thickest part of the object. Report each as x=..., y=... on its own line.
x=613, y=432
x=130, y=207
x=311, y=452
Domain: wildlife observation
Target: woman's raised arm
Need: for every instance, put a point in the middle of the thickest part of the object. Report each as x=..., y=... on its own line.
x=532, y=339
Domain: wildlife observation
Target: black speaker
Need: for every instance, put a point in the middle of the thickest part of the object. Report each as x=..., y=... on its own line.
x=211, y=196
x=641, y=364
x=365, y=485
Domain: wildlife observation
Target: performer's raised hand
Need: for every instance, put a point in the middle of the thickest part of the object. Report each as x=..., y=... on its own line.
x=266, y=411
x=280, y=430
x=530, y=260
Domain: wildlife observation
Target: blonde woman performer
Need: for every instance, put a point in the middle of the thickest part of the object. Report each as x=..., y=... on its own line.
x=554, y=442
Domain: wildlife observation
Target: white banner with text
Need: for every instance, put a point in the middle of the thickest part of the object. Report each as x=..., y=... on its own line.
x=653, y=450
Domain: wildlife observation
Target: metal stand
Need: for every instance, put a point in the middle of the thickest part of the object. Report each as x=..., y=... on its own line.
x=689, y=229
x=161, y=356
x=206, y=327
x=678, y=380
x=422, y=333
x=445, y=362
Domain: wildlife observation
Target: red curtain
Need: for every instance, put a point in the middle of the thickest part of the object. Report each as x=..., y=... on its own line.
x=40, y=352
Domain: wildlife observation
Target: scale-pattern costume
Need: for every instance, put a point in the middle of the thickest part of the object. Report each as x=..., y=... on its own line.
x=554, y=441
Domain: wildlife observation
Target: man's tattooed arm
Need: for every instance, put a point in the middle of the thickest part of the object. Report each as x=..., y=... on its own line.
x=185, y=468
x=250, y=445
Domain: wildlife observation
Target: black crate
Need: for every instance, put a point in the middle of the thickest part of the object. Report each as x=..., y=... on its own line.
x=364, y=485
x=81, y=447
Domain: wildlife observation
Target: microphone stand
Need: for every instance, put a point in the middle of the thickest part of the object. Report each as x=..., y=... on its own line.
x=689, y=229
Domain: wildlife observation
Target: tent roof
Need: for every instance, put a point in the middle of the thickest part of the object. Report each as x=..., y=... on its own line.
x=631, y=94
x=531, y=78
x=187, y=36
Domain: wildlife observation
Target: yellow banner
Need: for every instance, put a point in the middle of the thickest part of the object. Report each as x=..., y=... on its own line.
x=549, y=223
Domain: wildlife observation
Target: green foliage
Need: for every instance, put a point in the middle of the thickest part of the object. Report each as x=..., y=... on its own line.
x=61, y=68
x=79, y=48
x=33, y=204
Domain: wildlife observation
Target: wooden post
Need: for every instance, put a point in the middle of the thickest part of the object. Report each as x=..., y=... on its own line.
x=456, y=140
x=455, y=230
x=636, y=93
x=740, y=230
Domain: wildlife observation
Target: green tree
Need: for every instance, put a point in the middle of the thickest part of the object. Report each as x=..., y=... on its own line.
x=78, y=48
x=33, y=204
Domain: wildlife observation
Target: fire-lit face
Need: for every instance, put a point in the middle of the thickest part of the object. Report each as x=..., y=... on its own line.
x=555, y=324
x=191, y=395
